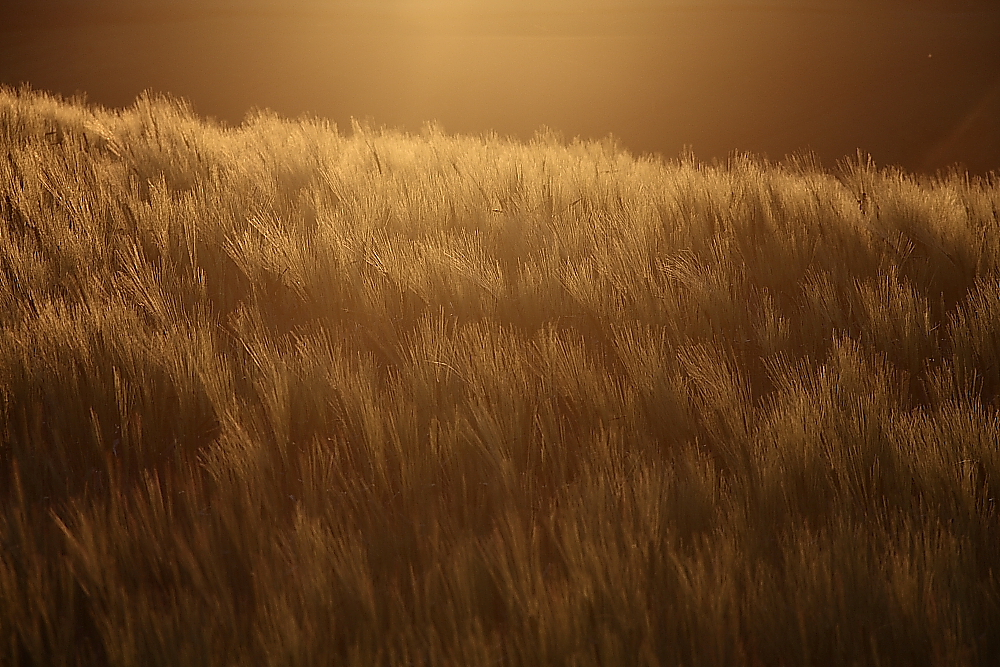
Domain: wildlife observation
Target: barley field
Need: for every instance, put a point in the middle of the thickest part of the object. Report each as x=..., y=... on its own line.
x=283, y=394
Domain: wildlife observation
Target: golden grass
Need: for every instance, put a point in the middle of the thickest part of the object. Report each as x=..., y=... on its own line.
x=278, y=395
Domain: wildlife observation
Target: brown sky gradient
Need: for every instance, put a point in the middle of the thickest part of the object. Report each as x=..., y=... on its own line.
x=912, y=83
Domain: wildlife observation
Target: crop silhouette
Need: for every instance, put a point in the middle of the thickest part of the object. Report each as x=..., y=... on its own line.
x=278, y=395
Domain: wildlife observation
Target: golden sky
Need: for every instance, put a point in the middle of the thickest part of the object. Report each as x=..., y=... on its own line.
x=912, y=85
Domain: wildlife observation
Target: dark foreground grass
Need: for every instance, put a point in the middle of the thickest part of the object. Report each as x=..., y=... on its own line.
x=274, y=395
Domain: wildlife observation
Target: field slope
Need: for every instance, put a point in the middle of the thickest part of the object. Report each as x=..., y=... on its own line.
x=281, y=395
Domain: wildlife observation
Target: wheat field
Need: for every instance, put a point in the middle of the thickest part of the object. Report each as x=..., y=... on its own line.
x=279, y=394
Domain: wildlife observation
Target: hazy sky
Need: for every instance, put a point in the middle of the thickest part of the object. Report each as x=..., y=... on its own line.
x=911, y=83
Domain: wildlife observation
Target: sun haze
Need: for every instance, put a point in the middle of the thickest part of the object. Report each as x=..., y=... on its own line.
x=717, y=76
